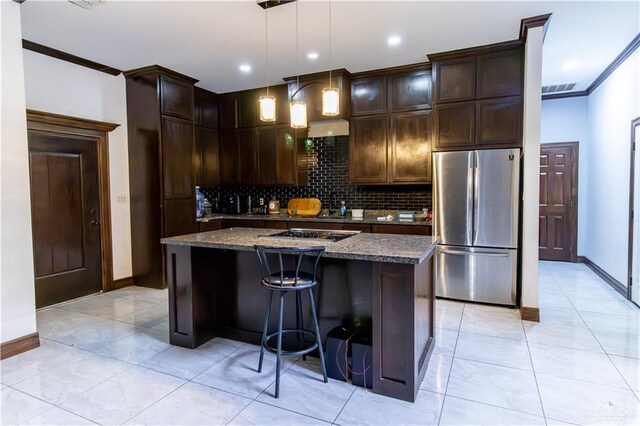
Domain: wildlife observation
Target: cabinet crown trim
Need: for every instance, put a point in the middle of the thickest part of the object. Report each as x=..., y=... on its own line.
x=157, y=69
x=479, y=50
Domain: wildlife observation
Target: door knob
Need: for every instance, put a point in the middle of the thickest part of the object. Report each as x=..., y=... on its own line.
x=94, y=217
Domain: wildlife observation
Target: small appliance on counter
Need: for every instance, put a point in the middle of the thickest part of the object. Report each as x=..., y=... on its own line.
x=274, y=206
x=357, y=214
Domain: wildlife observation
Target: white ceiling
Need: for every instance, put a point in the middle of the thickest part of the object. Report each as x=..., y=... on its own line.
x=208, y=40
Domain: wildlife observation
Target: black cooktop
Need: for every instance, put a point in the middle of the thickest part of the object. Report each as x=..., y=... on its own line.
x=316, y=234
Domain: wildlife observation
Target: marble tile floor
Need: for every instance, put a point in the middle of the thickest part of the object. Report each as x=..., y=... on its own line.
x=105, y=359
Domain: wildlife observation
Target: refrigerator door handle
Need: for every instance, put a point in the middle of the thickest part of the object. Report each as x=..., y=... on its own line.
x=471, y=205
x=476, y=198
x=475, y=253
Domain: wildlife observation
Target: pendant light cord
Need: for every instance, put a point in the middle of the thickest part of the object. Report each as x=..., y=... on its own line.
x=266, y=37
x=330, y=48
x=297, y=51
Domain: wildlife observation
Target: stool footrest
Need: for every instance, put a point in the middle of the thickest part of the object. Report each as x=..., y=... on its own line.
x=301, y=351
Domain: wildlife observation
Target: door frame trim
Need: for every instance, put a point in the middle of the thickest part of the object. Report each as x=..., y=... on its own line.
x=57, y=124
x=573, y=214
x=635, y=122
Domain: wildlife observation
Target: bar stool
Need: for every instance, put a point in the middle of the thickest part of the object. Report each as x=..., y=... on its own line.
x=282, y=281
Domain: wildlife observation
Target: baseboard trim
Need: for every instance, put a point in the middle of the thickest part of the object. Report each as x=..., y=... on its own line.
x=530, y=314
x=19, y=345
x=617, y=285
x=122, y=283
x=580, y=259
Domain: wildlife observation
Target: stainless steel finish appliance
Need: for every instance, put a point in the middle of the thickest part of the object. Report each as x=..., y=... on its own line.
x=315, y=234
x=476, y=196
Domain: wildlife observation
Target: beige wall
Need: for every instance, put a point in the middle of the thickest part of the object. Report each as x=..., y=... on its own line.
x=65, y=88
x=17, y=291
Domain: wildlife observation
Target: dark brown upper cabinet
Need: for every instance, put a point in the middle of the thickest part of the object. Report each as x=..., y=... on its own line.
x=229, y=158
x=246, y=139
x=242, y=110
x=277, y=155
x=177, y=158
x=369, y=96
x=500, y=121
x=176, y=97
x=411, y=147
x=500, y=74
x=205, y=111
x=368, y=150
x=207, y=160
x=310, y=91
x=455, y=80
x=454, y=125
x=410, y=91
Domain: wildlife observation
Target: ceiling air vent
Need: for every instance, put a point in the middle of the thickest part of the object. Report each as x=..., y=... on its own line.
x=554, y=88
x=87, y=4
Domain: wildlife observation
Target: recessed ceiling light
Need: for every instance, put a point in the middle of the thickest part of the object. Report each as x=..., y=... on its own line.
x=245, y=68
x=570, y=65
x=312, y=55
x=394, y=40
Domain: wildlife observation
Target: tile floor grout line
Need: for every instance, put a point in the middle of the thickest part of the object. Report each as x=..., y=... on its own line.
x=453, y=358
x=53, y=406
x=355, y=389
x=535, y=376
x=153, y=404
x=602, y=347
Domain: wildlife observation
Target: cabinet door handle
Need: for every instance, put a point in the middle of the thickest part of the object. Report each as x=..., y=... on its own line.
x=94, y=217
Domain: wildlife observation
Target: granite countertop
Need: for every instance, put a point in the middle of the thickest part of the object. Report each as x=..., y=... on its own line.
x=390, y=248
x=367, y=220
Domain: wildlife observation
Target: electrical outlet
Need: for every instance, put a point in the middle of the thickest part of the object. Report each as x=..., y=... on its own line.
x=121, y=199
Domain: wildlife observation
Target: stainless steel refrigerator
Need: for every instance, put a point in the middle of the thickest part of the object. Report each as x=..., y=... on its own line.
x=476, y=216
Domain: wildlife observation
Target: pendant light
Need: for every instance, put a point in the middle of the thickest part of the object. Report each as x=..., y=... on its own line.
x=267, y=103
x=330, y=95
x=298, y=109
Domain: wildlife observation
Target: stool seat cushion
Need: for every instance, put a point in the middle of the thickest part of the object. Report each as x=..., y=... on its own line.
x=305, y=280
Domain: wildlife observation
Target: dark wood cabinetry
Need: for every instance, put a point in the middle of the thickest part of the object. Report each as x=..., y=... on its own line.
x=242, y=110
x=369, y=96
x=177, y=157
x=248, y=155
x=368, y=150
x=310, y=91
x=390, y=134
x=205, y=108
x=161, y=173
x=229, y=158
x=277, y=158
x=411, y=147
x=478, y=97
x=207, y=159
x=410, y=91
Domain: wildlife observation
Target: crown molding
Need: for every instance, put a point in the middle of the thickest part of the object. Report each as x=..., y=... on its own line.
x=68, y=57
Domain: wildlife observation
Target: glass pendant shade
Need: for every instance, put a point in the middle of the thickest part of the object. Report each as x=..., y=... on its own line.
x=298, y=111
x=330, y=101
x=267, y=108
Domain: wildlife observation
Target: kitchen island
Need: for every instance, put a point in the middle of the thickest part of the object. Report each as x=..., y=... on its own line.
x=380, y=282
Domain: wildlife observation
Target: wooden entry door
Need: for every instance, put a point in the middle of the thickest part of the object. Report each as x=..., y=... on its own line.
x=65, y=208
x=558, y=201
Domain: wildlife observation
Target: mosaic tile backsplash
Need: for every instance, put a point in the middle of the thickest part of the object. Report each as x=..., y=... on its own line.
x=329, y=179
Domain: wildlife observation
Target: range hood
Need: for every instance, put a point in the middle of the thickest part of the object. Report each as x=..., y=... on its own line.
x=325, y=128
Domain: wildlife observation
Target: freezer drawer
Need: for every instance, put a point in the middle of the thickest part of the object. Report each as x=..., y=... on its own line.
x=476, y=274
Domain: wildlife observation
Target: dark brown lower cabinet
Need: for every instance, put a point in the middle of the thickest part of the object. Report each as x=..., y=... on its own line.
x=402, y=229
x=211, y=225
x=179, y=217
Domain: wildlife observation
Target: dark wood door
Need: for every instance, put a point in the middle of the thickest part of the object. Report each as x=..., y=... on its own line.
x=369, y=96
x=179, y=217
x=558, y=190
x=455, y=125
x=368, y=150
x=500, y=74
x=267, y=159
x=229, y=158
x=286, y=155
x=176, y=97
x=455, y=80
x=205, y=104
x=411, y=147
x=207, y=157
x=410, y=91
x=499, y=121
x=246, y=139
x=177, y=157
x=65, y=217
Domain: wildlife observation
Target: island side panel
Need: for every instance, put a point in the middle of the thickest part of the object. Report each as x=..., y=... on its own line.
x=403, y=318
x=191, y=302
